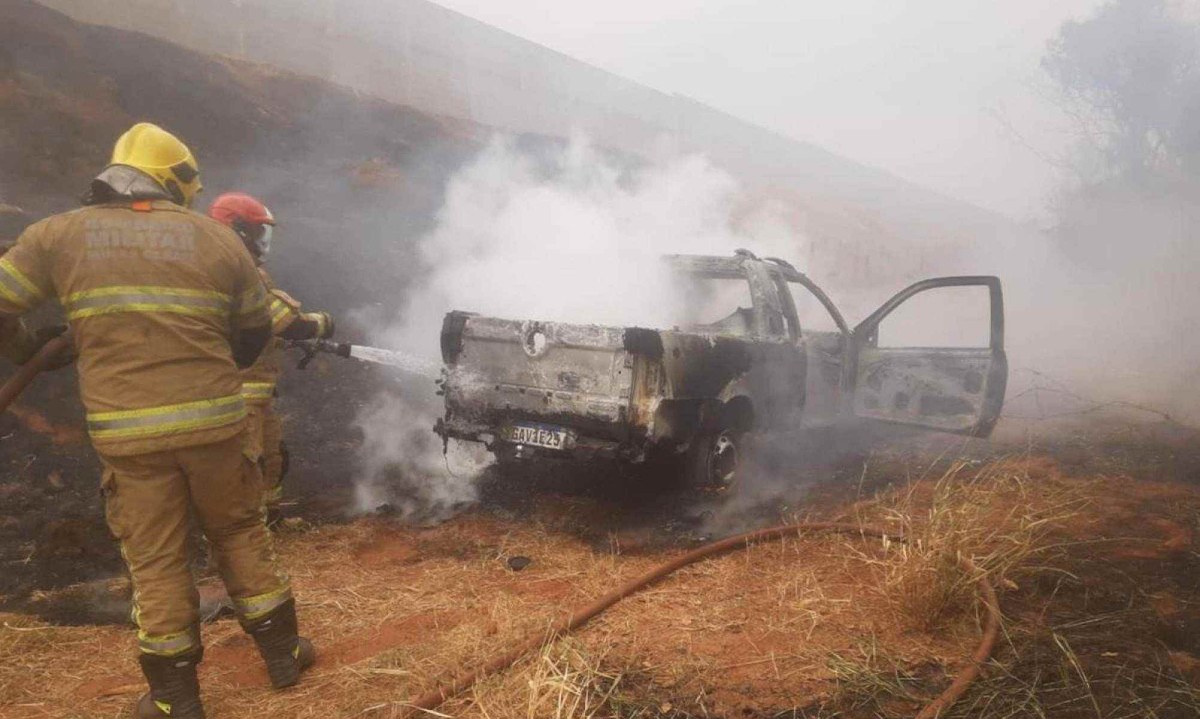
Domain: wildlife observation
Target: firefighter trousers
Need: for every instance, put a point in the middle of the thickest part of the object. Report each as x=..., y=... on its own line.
x=265, y=429
x=149, y=502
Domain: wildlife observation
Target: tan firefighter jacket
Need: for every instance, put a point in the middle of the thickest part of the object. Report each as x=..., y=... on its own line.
x=153, y=294
x=259, y=379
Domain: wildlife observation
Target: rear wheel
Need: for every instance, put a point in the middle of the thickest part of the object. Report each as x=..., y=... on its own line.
x=717, y=458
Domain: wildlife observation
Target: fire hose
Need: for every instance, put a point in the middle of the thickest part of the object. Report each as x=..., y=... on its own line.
x=431, y=700
x=26, y=373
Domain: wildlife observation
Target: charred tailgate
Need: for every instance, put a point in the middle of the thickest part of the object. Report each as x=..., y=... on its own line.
x=537, y=374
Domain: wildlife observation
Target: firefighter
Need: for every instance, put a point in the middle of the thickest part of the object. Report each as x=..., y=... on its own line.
x=254, y=223
x=164, y=307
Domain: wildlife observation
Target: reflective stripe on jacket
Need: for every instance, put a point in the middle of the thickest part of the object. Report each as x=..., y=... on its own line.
x=168, y=419
x=154, y=295
x=259, y=379
x=282, y=314
x=258, y=391
x=16, y=288
x=130, y=298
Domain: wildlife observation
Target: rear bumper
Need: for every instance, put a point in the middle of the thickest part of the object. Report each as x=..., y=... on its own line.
x=584, y=447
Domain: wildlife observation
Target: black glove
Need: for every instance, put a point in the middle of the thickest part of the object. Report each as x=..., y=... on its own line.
x=327, y=326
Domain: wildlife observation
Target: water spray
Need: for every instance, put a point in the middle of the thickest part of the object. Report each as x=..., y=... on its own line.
x=375, y=355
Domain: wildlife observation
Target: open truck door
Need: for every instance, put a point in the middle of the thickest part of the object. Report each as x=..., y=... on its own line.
x=954, y=379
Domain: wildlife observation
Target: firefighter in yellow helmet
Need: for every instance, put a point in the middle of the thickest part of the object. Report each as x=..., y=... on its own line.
x=254, y=223
x=164, y=306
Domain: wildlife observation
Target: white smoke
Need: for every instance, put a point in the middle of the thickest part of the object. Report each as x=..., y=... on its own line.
x=403, y=469
x=569, y=238
x=564, y=235
x=1112, y=318
x=573, y=235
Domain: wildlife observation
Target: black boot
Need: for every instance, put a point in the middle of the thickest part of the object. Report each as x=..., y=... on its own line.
x=174, y=688
x=284, y=651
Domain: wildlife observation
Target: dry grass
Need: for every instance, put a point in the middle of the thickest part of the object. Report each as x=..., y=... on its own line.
x=395, y=610
x=1044, y=677
x=773, y=628
x=563, y=681
x=1080, y=637
x=871, y=680
x=995, y=516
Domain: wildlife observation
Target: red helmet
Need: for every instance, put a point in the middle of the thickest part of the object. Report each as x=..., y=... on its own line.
x=248, y=217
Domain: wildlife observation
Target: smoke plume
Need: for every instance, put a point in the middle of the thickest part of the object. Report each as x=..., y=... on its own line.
x=403, y=469
x=563, y=233
x=569, y=233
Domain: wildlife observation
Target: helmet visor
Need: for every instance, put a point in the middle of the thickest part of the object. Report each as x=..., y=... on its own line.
x=185, y=172
x=262, y=243
x=186, y=178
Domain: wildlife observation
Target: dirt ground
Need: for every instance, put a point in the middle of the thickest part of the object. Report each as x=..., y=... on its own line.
x=1090, y=538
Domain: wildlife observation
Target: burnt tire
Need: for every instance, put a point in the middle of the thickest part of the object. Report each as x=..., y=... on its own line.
x=716, y=459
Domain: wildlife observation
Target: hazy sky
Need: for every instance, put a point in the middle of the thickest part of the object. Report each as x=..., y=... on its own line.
x=947, y=93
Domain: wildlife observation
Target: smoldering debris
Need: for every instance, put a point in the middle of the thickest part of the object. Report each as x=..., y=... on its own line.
x=404, y=472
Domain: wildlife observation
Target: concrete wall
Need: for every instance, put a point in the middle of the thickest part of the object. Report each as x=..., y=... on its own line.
x=416, y=53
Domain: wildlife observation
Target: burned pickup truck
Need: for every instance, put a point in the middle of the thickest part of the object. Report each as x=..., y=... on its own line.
x=695, y=392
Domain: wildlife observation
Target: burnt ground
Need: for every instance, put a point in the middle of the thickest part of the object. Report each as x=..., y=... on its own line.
x=1103, y=623
x=51, y=522
x=1130, y=615
x=1106, y=623
x=52, y=533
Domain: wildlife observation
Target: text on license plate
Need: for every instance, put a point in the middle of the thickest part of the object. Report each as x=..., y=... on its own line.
x=538, y=436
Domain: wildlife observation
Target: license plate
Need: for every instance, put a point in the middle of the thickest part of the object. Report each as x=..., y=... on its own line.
x=538, y=435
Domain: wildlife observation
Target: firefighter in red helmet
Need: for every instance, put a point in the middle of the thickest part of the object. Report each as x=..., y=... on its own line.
x=254, y=223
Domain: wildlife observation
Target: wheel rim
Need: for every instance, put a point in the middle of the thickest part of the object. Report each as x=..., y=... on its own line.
x=723, y=460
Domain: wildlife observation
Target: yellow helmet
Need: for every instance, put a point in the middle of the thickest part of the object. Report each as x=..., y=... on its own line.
x=164, y=157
